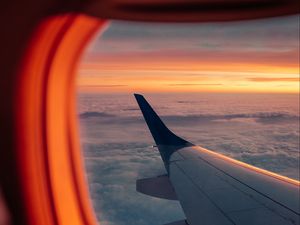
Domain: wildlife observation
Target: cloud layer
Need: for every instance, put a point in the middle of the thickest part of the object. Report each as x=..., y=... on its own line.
x=262, y=130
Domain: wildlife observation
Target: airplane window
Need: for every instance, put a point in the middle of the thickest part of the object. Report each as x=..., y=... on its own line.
x=229, y=87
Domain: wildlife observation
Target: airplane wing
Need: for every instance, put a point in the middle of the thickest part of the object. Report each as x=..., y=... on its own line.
x=214, y=189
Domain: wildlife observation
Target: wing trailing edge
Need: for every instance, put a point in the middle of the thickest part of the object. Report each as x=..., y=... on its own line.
x=159, y=187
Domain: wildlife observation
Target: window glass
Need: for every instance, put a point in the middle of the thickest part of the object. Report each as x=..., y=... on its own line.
x=229, y=87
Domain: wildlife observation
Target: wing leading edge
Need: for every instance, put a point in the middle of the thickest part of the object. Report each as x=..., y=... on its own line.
x=217, y=190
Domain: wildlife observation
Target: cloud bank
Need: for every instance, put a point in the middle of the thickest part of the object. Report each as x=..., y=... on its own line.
x=262, y=130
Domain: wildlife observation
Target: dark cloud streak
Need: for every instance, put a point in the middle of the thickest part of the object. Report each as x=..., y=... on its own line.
x=274, y=79
x=194, y=84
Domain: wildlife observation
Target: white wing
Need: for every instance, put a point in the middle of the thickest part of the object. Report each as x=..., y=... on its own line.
x=214, y=189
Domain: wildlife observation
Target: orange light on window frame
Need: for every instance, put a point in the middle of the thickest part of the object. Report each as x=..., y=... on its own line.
x=43, y=131
x=50, y=163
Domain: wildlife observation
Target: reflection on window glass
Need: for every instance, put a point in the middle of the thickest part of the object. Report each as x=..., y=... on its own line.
x=229, y=87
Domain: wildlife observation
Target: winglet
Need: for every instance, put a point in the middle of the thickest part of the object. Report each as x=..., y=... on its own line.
x=161, y=134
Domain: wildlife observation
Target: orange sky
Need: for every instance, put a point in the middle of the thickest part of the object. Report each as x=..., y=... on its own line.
x=259, y=56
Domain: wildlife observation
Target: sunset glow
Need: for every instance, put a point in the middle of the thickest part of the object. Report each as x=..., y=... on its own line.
x=256, y=56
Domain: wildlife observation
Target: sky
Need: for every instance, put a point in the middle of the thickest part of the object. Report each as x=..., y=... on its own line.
x=248, y=56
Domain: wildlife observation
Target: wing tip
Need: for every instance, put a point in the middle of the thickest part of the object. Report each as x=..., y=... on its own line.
x=137, y=95
x=160, y=132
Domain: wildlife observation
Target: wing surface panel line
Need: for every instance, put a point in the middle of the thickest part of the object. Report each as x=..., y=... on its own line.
x=224, y=214
x=234, y=211
x=266, y=196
